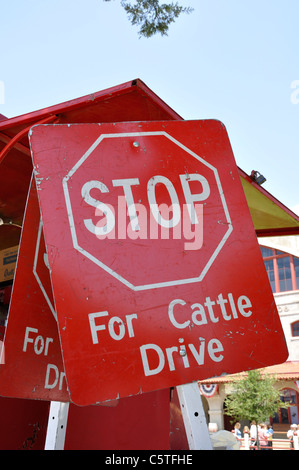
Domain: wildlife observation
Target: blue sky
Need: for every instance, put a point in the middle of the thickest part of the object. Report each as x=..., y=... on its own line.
x=231, y=60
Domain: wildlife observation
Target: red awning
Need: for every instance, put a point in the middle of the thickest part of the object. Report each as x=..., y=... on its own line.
x=286, y=371
x=270, y=217
x=131, y=101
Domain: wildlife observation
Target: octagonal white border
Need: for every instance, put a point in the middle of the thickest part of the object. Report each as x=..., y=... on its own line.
x=104, y=266
x=39, y=233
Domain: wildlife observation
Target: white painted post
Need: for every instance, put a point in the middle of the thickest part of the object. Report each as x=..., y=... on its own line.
x=194, y=417
x=57, y=424
x=246, y=441
x=295, y=438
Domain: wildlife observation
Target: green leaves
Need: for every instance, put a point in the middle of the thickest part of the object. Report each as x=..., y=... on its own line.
x=254, y=398
x=151, y=17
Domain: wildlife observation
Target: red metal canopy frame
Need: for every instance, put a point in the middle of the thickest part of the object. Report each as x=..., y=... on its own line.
x=130, y=101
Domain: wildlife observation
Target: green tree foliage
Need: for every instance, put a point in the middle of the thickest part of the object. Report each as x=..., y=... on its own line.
x=151, y=17
x=254, y=398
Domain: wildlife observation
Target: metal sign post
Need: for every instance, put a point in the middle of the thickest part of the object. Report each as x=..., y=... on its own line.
x=194, y=417
x=57, y=425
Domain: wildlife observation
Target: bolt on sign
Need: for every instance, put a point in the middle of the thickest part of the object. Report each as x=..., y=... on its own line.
x=156, y=271
x=32, y=365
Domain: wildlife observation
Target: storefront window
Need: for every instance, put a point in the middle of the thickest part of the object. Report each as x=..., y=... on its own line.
x=295, y=328
x=284, y=273
x=282, y=269
x=266, y=251
x=270, y=271
x=288, y=415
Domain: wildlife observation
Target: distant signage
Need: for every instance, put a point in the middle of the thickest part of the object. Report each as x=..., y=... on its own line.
x=31, y=362
x=8, y=258
x=156, y=271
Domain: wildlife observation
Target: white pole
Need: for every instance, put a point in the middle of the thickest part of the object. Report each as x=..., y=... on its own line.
x=194, y=417
x=57, y=424
x=295, y=438
x=246, y=441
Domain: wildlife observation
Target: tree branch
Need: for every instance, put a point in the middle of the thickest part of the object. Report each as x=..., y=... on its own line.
x=151, y=16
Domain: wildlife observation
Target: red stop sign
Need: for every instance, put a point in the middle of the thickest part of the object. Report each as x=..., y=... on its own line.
x=156, y=272
x=157, y=212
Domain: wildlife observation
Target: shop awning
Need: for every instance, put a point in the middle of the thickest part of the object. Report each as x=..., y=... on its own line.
x=286, y=371
x=270, y=217
x=130, y=101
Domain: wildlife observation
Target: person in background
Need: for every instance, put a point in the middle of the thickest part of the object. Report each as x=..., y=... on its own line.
x=263, y=437
x=252, y=433
x=246, y=430
x=237, y=431
x=270, y=437
x=290, y=434
x=222, y=440
x=246, y=437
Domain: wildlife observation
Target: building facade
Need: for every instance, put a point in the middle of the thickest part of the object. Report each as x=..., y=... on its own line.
x=281, y=258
